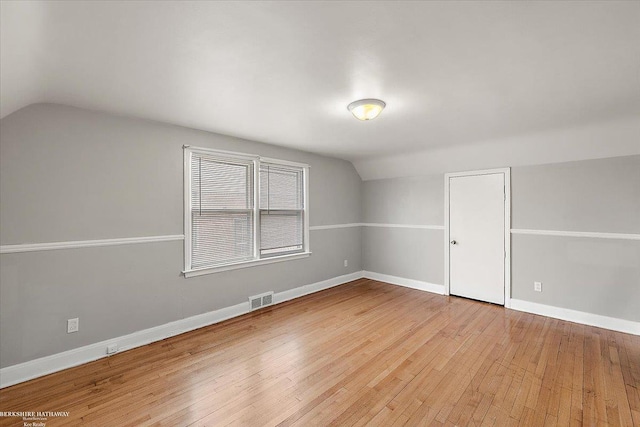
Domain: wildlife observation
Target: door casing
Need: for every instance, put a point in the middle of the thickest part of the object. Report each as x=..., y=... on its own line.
x=507, y=227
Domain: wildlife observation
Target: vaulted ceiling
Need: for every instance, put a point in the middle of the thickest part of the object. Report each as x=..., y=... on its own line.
x=451, y=73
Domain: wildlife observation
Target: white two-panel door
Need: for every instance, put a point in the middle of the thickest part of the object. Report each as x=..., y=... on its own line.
x=477, y=237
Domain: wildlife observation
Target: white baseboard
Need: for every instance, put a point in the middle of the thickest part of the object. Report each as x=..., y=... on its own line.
x=612, y=323
x=407, y=283
x=46, y=365
x=315, y=287
x=590, y=319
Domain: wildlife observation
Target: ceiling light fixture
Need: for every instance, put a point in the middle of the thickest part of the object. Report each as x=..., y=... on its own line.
x=366, y=109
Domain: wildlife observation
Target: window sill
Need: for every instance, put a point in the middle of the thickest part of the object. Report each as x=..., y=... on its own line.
x=245, y=264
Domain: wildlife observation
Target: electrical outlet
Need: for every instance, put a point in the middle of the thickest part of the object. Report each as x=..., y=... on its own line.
x=112, y=348
x=346, y=263
x=537, y=286
x=73, y=325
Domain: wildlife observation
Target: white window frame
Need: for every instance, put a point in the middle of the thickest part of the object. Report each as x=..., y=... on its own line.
x=256, y=160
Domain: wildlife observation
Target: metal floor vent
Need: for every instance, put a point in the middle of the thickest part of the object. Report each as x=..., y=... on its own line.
x=262, y=300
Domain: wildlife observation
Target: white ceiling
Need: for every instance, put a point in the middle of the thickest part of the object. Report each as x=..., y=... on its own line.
x=283, y=72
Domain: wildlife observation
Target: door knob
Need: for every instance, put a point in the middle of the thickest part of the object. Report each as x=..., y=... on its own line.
x=453, y=242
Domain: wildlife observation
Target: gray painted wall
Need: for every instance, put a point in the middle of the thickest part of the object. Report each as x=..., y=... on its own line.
x=586, y=274
x=410, y=253
x=598, y=276
x=71, y=174
x=591, y=195
x=416, y=201
x=65, y=169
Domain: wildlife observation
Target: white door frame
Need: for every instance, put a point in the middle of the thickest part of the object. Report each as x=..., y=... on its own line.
x=507, y=227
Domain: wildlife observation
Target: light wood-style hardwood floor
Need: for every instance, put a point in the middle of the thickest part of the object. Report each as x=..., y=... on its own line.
x=363, y=353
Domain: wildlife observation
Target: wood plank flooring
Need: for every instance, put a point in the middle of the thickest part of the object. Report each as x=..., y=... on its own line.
x=363, y=353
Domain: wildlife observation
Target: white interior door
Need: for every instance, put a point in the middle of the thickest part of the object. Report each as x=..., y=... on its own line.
x=477, y=237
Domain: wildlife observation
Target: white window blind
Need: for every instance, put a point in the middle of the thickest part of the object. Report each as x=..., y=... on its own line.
x=221, y=211
x=242, y=210
x=281, y=209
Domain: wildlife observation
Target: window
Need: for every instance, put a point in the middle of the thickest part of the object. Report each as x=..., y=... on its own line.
x=281, y=210
x=221, y=211
x=242, y=210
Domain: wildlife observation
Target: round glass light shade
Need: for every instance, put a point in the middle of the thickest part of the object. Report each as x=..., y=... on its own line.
x=366, y=109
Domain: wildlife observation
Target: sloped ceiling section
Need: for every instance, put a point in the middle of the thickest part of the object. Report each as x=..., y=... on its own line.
x=453, y=74
x=612, y=138
x=22, y=44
